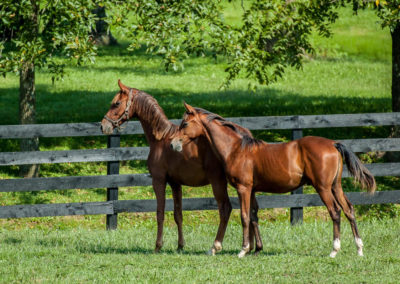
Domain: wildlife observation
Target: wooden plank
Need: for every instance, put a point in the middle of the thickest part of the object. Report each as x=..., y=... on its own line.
x=264, y=201
x=141, y=153
x=368, y=145
x=379, y=169
x=118, y=206
x=73, y=156
x=253, y=123
x=71, y=182
x=58, y=209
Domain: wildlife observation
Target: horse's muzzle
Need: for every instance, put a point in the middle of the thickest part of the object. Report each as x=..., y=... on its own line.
x=176, y=144
x=106, y=127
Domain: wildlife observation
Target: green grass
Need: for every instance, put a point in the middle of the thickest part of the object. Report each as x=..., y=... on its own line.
x=291, y=255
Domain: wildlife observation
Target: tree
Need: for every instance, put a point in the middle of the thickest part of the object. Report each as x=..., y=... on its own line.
x=101, y=33
x=42, y=32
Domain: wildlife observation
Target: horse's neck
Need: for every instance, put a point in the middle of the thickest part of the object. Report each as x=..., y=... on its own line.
x=222, y=144
x=148, y=131
x=153, y=125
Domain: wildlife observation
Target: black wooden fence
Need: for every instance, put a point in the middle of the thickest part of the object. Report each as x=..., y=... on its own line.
x=114, y=153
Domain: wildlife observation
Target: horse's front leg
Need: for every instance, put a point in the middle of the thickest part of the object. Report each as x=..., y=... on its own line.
x=159, y=185
x=178, y=217
x=244, y=193
x=219, y=186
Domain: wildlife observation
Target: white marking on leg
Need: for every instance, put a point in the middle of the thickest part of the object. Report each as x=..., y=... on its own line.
x=360, y=245
x=336, y=248
x=217, y=246
x=244, y=251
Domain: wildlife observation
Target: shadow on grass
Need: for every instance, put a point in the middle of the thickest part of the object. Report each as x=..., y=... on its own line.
x=90, y=106
x=104, y=249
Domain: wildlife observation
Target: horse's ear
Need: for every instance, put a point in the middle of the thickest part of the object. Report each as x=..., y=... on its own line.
x=189, y=108
x=122, y=86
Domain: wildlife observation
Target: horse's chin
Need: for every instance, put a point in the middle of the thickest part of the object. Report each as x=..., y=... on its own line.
x=176, y=145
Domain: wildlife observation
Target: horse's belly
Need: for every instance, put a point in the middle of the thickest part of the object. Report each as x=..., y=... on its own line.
x=191, y=175
x=278, y=184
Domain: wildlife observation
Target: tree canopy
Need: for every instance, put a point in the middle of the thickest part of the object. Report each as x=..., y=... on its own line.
x=40, y=32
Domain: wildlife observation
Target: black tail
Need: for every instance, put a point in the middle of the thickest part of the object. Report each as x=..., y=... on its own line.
x=360, y=173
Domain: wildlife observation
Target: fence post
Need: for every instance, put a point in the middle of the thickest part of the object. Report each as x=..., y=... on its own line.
x=112, y=192
x=296, y=213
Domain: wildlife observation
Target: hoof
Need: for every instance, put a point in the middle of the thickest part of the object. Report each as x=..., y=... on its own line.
x=333, y=254
x=157, y=249
x=211, y=251
x=217, y=246
x=242, y=253
x=360, y=253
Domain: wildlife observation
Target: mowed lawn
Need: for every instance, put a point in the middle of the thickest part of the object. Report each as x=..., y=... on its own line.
x=291, y=255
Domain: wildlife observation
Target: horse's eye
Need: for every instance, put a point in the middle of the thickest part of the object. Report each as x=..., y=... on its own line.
x=117, y=104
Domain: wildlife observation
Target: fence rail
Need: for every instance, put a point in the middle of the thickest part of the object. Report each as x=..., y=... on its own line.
x=114, y=153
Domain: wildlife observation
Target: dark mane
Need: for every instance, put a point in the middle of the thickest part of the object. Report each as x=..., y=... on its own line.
x=247, y=138
x=147, y=108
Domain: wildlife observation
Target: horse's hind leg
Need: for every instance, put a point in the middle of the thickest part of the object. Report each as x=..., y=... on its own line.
x=159, y=189
x=219, y=186
x=177, y=195
x=348, y=210
x=334, y=211
x=254, y=230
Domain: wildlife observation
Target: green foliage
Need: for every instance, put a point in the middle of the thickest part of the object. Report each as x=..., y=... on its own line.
x=275, y=35
x=387, y=11
x=173, y=29
x=42, y=31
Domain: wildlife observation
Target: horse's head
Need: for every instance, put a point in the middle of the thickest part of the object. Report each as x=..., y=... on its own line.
x=191, y=127
x=119, y=111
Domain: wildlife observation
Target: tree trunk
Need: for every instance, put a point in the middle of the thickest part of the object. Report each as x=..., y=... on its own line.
x=396, y=68
x=101, y=34
x=395, y=132
x=27, y=114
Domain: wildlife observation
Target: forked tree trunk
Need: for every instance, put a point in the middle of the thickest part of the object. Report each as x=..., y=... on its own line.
x=101, y=34
x=27, y=114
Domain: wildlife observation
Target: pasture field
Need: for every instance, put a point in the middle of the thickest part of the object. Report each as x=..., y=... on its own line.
x=291, y=255
x=350, y=73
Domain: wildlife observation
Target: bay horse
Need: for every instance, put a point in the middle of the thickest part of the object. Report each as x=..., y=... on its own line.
x=196, y=164
x=253, y=165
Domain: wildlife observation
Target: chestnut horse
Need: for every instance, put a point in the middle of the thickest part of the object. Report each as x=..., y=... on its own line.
x=196, y=165
x=253, y=165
